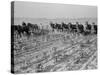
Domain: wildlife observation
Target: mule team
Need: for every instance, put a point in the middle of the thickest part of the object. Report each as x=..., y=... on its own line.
x=30, y=28
x=75, y=28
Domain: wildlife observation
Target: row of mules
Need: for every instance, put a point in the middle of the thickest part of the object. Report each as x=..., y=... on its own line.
x=24, y=28
x=75, y=28
x=29, y=28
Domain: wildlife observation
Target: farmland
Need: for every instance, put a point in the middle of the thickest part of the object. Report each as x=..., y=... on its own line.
x=55, y=51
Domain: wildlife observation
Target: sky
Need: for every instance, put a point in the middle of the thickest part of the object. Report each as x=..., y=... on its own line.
x=52, y=10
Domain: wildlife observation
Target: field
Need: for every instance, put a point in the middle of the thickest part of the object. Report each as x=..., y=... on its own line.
x=53, y=37
x=59, y=51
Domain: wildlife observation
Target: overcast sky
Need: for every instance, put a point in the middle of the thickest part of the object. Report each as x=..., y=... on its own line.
x=51, y=10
